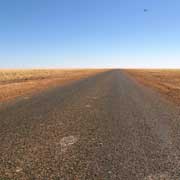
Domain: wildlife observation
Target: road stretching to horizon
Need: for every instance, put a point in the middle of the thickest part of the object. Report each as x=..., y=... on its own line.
x=104, y=127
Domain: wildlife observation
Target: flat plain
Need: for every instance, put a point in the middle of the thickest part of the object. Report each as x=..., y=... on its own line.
x=103, y=126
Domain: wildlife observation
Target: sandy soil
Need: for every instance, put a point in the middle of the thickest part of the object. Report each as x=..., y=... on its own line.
x=166, y=81
x=15, y=83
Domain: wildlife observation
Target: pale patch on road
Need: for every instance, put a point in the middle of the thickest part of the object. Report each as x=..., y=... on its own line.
x=67, y=142
x=88, y=106
x=18, y=169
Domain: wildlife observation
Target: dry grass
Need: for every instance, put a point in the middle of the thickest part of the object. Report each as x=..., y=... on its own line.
x=15, y=83
x=166, y=81
x=7, y=76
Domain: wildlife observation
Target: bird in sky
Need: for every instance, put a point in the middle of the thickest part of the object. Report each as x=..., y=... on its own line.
x=145, y=10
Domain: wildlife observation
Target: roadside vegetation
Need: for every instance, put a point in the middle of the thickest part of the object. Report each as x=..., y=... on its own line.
x=14, y=75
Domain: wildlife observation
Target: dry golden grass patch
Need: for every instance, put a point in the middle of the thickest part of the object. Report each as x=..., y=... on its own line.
x=7, y=76
x=166, y=81
x=15, y=83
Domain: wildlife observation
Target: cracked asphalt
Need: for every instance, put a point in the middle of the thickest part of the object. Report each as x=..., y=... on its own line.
x=104, y=127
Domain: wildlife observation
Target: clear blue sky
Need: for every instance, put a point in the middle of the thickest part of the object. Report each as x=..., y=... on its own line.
x=89, y=33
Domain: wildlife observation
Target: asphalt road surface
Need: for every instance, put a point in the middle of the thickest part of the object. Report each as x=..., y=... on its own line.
x=105, y=127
